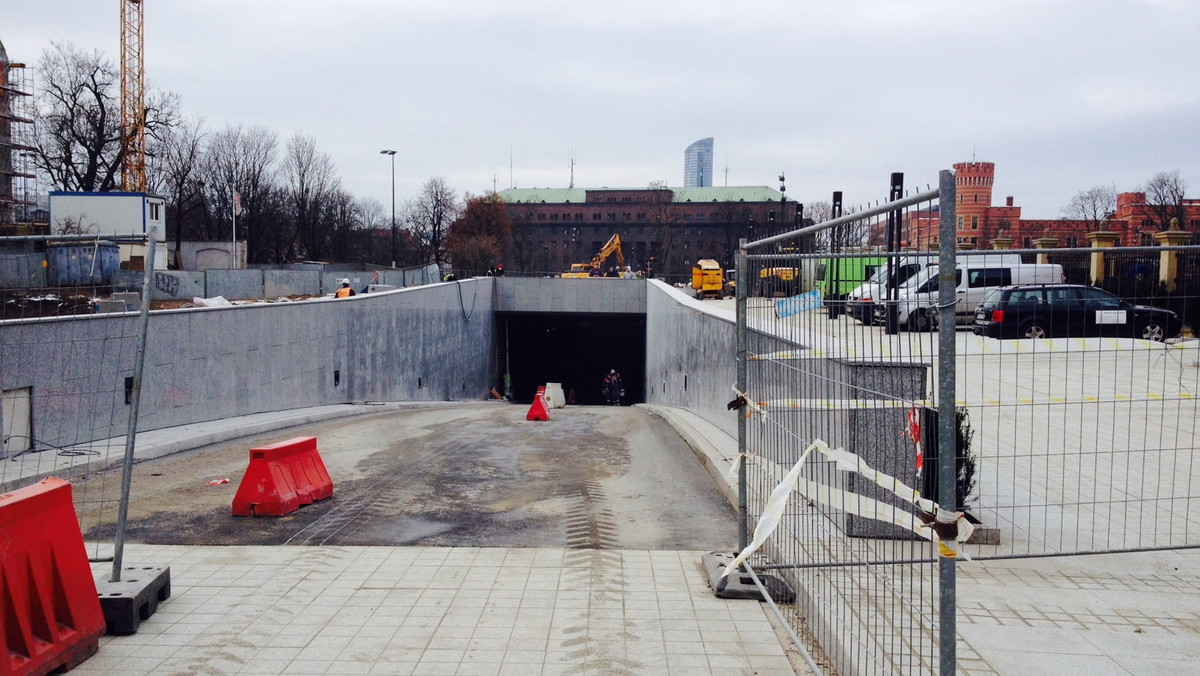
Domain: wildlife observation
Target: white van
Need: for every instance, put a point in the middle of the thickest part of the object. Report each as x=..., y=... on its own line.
x=860, y=302
x=917, y=304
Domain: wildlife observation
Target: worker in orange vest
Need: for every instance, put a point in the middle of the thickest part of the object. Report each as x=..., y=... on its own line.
x=345, y=291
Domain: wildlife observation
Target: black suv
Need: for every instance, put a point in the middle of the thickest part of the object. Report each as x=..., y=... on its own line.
x=1053, y=310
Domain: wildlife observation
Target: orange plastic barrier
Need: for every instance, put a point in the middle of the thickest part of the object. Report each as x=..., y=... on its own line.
x=282, y=477
x=50, y=616
x=539, y=410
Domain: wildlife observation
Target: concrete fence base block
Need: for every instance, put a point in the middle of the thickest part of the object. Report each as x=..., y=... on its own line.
x=134, y=598
x=741, y=586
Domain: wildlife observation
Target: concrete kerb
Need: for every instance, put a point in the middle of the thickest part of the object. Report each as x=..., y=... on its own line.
x=716, y=450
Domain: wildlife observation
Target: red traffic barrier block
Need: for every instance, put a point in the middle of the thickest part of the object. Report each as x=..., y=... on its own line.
x=282, y=477
x=50, y=616
x=539, y=410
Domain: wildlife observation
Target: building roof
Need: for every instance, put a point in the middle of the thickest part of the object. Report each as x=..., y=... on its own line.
x=744, y=193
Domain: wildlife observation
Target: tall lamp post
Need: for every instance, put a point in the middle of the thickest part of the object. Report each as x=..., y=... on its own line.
x=392, y=154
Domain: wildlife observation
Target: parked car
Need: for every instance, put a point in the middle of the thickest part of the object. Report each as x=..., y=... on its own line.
x=916, y=307
x=1053, y=310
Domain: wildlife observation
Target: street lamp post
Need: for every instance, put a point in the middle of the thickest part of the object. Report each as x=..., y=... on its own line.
x=392, y=154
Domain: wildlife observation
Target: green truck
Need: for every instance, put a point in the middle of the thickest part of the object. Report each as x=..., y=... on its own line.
x=838, y=276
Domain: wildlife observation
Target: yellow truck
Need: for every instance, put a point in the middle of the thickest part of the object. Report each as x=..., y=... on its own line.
x=610, y=248
x=778, y=282
x=708, y=280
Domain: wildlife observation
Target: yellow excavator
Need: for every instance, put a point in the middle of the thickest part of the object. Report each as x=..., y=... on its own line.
x=611, y=247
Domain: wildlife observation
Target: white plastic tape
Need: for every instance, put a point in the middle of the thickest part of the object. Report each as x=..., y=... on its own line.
x=858, y=505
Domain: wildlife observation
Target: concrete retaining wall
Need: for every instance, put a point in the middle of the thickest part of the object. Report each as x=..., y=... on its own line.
x=602, y=295
x=690, y=351
x=22, y=271
x=212, y=363
x=278, y=283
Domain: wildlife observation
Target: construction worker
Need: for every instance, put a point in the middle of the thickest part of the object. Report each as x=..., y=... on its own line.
x=345, y=291
x=612, y=388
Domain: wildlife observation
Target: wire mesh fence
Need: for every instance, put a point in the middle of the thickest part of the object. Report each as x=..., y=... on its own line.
x=57, y=419
x=1073, y=423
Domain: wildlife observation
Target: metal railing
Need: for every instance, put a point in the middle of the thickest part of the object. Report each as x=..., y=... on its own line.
x=1064, y=446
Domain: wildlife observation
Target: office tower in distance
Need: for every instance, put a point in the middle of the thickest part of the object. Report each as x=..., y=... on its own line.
x=698, y=164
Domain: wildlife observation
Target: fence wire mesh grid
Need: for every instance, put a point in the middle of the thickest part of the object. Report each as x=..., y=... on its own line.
x=1076, y=441
x=77, y=426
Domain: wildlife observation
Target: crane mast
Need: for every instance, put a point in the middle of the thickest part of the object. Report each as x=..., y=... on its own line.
x=133, y=98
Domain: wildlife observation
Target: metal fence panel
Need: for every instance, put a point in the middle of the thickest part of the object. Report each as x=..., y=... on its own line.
x=1062, y=445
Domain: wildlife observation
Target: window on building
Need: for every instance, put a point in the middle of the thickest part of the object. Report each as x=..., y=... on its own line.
x=541, y=217
x=974, y=222
x=554, y=217
x=597, y=216
x=154, y=211
x=960, y=222
x=612, y=216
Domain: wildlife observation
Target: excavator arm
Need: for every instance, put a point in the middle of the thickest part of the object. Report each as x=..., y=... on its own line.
x=612, y=246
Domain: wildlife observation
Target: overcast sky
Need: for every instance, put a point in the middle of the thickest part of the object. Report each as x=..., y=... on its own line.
x=1062, y=95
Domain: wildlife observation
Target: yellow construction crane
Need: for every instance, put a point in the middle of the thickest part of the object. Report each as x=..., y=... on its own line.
x=133, y=98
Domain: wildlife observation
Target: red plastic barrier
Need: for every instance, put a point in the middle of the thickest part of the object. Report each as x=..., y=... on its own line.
x=539, y=410
x=282, y=477
x=50, y=616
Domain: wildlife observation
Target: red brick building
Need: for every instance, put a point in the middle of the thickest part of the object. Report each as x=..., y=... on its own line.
x=979, y=222
x=667, y=229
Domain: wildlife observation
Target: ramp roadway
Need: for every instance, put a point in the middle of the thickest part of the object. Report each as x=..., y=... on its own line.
x=467, y=475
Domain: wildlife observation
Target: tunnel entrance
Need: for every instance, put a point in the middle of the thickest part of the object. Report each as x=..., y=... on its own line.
x=575, y=349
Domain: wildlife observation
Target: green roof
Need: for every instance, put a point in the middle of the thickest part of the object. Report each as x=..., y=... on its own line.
x=744, y=193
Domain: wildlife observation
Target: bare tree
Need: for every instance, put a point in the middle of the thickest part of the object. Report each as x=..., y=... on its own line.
x=242, y=161
x=1092, y=206
x=311, y=179
x=78, y=128
x=1164, y=196
x=664, y=221
x=174, y=172
x=735, y=224
x=429, y=216
x=528, y=251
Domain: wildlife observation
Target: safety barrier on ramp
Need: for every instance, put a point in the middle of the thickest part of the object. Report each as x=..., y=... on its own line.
x=281, y=478
x=539, y=410
x=50, y=616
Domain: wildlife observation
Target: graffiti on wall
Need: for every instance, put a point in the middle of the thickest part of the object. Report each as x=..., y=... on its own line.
x=168, y=284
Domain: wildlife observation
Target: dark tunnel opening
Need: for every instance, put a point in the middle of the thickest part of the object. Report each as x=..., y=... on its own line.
x=576, y=350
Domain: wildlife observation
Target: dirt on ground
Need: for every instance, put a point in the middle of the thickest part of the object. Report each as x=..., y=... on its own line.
x=66, y=301
x=476, y=475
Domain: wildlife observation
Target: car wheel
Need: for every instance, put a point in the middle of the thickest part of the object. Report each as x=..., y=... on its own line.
x=1034, y=330
x=1152, y=330
x=934, y=317
x=920, y=320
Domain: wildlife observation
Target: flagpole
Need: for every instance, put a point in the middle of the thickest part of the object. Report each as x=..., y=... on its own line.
x=233, y=252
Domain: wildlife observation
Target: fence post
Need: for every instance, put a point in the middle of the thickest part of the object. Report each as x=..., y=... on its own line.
x=947, y=435
x=1046, y=242
x=1101, y=239
x=1168, y=261
x=134, y=401
x=743, y=277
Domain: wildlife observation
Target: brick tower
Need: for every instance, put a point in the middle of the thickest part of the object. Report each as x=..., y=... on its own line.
x=973, y=182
